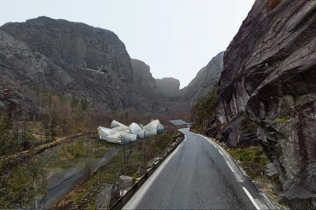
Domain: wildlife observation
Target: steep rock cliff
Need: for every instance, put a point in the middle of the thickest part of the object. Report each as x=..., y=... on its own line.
x=206, y=78
x=269, y=73
x=142, y=77
x=14, y=102
x=145, y=83
x=66, y=57
x=168, y=86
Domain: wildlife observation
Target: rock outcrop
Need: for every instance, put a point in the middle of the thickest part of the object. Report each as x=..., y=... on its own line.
x=205, y=79
x=144, y=81
x=14, y=102
x=168, y=86
x=70, y=58
x=269, y=74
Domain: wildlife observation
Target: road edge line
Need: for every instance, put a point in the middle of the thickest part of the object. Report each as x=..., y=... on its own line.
x=125, y=198
x=251, y=198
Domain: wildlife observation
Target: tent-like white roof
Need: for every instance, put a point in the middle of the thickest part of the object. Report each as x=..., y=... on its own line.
x=114, y=124
x=152, y=125
x=134, y=128
x=120, y=133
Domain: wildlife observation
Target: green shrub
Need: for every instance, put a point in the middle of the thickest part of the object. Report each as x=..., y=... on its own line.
x=252, y=160
x=282, y=120
x=204, y=110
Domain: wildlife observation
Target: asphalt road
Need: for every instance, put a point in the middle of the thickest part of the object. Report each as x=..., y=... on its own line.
x=198, y=175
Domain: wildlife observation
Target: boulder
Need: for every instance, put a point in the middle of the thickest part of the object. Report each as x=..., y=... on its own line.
x=125, y=182
x=231, y=133
x=141, y=171
x=104, y=197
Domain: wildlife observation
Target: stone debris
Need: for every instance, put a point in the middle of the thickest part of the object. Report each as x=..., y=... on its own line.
x=125, y=183
x=104, y=197
x=141, y=170
x=270, y=169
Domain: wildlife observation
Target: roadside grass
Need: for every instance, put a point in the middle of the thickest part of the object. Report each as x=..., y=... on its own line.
x=74, y=152
x=251, y=159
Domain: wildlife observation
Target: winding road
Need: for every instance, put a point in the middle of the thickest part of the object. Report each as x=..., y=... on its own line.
x=199, y=174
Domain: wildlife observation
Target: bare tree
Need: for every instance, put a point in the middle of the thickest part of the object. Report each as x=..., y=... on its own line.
x=88, y=166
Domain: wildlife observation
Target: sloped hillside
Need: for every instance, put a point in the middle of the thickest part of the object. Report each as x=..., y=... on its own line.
x=71, y=59
x=205, y=79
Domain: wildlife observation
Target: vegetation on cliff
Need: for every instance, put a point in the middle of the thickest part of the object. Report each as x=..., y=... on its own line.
x=204, y=111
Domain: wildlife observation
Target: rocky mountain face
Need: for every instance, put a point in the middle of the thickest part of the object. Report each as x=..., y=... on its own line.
x=145, y=83
x=70, y=58
x=205, y=79
x=168, y=86
x=269, y=76
x=142, y=78
x=14, y=101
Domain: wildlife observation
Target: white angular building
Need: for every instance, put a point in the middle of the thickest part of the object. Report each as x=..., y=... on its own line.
x=120, y=133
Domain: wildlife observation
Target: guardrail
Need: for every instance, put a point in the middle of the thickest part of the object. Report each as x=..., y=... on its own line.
x=125, y=198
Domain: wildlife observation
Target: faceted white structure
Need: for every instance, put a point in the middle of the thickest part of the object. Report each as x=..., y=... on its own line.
x=128, y=138
x=117, y=124
x=114, y=138
x=152, y=125
x=120, y=128
x=150, y=133
x=134, y=128
x=160, y=128
x=120, y=133
x=103, y=132
x=141, y=134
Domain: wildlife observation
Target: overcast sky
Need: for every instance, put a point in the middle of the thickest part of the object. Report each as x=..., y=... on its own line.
x=176, y=38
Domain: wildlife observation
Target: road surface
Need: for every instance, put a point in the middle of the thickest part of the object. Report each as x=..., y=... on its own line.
x=198, y=175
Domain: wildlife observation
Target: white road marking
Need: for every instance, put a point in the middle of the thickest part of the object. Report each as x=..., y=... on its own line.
x=238, y=175
x=134, y=201
x=251, y=198
x=182, y=143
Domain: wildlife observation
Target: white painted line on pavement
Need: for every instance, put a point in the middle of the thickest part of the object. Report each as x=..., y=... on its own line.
x=137, y=197
x=231, y=164
x=231, y=168
x=182, y=143
x=251, y=198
